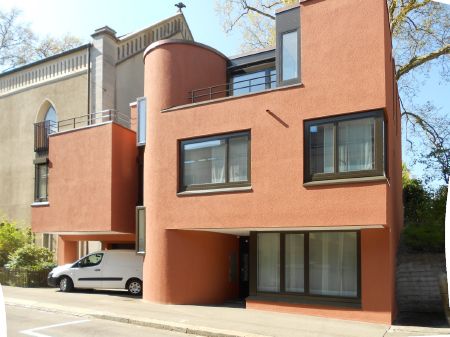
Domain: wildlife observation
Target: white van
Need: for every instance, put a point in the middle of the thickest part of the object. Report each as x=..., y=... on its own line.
x=108, y=269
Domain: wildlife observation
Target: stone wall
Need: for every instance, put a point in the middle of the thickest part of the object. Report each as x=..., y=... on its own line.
x=418, y=281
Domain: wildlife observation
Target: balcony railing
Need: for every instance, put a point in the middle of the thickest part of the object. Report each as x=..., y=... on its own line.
x=254, y=84
x=42, y=130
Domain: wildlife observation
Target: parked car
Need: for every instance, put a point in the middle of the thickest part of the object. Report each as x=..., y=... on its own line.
x=108, y=269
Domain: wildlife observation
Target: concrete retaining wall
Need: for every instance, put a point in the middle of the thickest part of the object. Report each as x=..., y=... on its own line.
x=418, y=281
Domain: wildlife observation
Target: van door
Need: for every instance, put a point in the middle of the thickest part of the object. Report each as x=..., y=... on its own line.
x=115, y=271
x=88, y=272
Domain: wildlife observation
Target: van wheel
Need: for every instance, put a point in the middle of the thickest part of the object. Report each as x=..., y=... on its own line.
x=134, y=287
x=65, y=284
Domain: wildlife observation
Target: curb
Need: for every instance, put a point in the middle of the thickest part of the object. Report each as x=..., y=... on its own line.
x=151, y=323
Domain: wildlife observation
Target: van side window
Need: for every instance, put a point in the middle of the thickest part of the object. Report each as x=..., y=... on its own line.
x=91, y=260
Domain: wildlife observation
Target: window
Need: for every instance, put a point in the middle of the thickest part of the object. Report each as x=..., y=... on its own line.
x=333, y=264
x=308, y=264
x=253, y=82
x=51, y=120
x=215, y=162
x=269, y=262
x=91, y=260
x=140, y=230
x=344, y=147
x=287, y=29
x=48, y=241
x=289, y=69
x=41, y=182
x=141, y=121
x=45, y=128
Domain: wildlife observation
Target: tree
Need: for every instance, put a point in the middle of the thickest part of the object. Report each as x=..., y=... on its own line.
x=11, y=239
x=15, y=38
x=421, y=39
x=424, y=215
x=255, y=18
x=19, y=45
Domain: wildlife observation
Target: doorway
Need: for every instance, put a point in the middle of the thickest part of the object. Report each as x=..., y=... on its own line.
x=244, y=266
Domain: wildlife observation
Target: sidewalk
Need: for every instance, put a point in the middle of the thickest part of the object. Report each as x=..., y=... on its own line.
x=199, y=320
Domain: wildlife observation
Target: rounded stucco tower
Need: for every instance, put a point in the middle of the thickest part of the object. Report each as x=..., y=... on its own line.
x=173, y=68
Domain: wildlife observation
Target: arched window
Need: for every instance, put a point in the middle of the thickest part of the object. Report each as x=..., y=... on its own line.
x=43, y=128
x=52, y=120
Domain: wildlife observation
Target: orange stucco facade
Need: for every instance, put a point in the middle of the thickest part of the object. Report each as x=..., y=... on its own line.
x=92, y=187
x=346, y=67
x=194, y=240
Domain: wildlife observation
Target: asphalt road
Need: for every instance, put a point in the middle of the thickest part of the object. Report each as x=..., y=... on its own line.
x=30, y=322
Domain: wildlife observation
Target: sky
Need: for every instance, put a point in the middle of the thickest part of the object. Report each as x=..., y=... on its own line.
x=82, y=17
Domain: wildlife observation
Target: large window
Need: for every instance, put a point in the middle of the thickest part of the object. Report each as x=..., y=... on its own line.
x=253, y=82
x=215, y=162
x=289, y=54
x=41, y=182
x=308, y=264
x=344, y=147
x=269, y=262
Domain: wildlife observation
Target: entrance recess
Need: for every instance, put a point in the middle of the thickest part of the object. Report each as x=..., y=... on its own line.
x=244, y=266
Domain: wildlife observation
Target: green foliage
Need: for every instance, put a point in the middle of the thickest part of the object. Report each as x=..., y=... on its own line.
x=424, y=216
x=427, y=238
x=32, y=258
x=11, y=239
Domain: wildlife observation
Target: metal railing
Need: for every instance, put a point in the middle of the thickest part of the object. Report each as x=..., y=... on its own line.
x=230, y=88
x=42, y=130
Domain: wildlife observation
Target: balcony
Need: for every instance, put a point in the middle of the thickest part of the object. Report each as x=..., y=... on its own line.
x=42, y=130
x=240, y=85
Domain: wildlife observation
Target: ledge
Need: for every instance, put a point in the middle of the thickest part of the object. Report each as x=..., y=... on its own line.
x=40, y=204
x=216, y=191
x=229, y=98
x=346, y=181
x=307, y=300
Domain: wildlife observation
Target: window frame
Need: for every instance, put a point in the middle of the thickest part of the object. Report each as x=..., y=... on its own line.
x=305, y=296
x=141, y=126
x=138, y=248
x=37, y=182
x=212, y=186
x=379, y=147
x=297, y=78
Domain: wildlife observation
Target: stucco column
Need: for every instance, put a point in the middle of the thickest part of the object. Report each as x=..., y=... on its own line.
x=67, y=251
x=173, y=68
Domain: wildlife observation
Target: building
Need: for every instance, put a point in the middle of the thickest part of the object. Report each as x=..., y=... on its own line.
x=77, y=86
x=273, y=176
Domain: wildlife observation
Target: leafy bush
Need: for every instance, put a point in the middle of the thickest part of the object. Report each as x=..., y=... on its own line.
x=429, y=238
x=424, y=216
x=11, y=239
x=32, y=258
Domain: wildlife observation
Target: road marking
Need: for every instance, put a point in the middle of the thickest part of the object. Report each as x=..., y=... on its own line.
x=32, y=332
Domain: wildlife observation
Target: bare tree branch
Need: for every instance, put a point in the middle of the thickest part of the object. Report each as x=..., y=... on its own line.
x=404, y=11
x=417, y=61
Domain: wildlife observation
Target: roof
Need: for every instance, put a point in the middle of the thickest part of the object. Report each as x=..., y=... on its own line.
x=32, y=64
